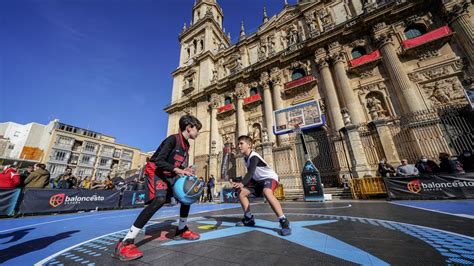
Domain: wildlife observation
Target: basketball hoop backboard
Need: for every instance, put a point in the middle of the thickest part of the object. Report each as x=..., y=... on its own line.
x=303, y=116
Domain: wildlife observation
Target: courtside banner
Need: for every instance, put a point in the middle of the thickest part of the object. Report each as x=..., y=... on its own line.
x=442, y=186
x=133, y=198
x=57, y=200
x=8, y=200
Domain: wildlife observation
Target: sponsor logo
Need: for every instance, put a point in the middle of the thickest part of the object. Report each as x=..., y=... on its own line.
x=138, y=198
x=197, y=187
x=56, y=200
x=414, y=186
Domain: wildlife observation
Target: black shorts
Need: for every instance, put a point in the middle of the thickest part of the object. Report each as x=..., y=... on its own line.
x=159, y=187
x=256, y=187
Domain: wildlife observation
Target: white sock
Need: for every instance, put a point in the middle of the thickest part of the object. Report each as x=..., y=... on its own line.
x=248, y=214
x=132, y=233
x=182, y=223
x=281, y=217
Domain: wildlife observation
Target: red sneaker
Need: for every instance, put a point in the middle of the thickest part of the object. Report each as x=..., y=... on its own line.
x=127, y=251
x=187, y=234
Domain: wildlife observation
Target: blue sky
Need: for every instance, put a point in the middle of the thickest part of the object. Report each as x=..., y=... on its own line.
x=104, y=65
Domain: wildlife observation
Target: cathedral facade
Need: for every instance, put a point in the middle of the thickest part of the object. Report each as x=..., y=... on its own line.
x=392, y=78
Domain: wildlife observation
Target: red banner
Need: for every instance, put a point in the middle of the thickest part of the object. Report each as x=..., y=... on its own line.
x=299, y=82
x=224, y=108
x=365, y=58
x=252, y=98
x=427, y=37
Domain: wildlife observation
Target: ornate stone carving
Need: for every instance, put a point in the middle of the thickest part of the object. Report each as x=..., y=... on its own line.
x=379, y=26
x=257, y=134
x=262, y=49
x=434, y=73
x=293, y=35
x=455, y=8
x=383, y=38
x=271, y=44
x=275, y=76
x=366, y=74
x=357, y=43
x=214, y=75
x=264, y=79
x=444, y=91
x=325, y=18
x=215, y=101
x=240, y=90
x=428, y=55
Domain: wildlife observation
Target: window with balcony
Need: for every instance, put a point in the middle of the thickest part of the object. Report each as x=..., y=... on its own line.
x=64, y=140
x=227, y=100
x=59, y=155
x=298, y=73
x=104, y=162
x=253, y=91
x=414, y=31
x=90, y=147
x=127, y=154
x=358, y=52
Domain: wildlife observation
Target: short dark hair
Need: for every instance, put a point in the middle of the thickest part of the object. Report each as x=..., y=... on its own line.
x=246, y=139
x=42, y=166
x=186, y=120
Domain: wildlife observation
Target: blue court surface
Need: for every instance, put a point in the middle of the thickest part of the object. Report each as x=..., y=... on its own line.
x=464, y=208
x=331, y=233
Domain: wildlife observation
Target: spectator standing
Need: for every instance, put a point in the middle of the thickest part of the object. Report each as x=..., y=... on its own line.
x=9, y=178
x=210, y=188
x=426, y=166
x=62, y=178
x=467, y=160
x=448, y=165
x=406, y=169
x=86, y=183
x=39, y=178
x=203, y=184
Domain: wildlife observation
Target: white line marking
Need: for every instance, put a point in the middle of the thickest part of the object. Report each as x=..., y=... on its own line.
x=41, y=262
x=425, y=209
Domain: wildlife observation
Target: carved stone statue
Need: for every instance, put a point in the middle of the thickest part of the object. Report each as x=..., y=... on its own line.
x=257, y=135
x=214, y=75
x=346, y=117
x=293, y=36
x=265, y=135
x=271, y=44
x=439, y=95
x=375, y=107
x=311, y=23
x=283, y=39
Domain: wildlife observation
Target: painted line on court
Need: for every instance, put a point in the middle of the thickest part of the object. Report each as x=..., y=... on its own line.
x=49, y=222
x=431, y=210
x=41, y=262
x=324, y=208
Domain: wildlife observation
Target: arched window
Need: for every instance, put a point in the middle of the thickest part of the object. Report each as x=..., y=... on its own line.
x=358, y=52
x=298, y=73
x=227, y=100
x=253, y=91
x=414, y=31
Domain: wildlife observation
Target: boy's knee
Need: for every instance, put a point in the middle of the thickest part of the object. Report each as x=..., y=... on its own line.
x=243, y=192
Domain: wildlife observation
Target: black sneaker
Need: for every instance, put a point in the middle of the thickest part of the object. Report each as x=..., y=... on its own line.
x=285, y=227
x=246, y=221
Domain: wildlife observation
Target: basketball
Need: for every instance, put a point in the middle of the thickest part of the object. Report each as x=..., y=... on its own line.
x=187, y=189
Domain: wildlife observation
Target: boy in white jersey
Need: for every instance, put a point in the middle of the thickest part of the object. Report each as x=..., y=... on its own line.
x=260, y=178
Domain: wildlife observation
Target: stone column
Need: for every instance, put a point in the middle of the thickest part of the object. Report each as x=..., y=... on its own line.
x=213, y=166
x=360, y=166
x=396, y=71
x=351, y=101
x=460, y=21
x=268, y=105
x=332, y=103
x=240, y=92
x=277, y=90
x=268, y=153
x=386, y=139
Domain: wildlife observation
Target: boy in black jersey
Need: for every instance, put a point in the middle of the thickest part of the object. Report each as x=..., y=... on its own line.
x=260, y=179
x=168, y=162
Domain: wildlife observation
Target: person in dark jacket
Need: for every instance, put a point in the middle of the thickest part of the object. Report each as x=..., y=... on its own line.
x=385, y=169
x=426, y=166
x=448, y=165
x=39, y=178
x=467, y=160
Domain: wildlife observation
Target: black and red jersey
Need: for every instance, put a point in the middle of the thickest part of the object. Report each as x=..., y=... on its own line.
x=172, y=153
